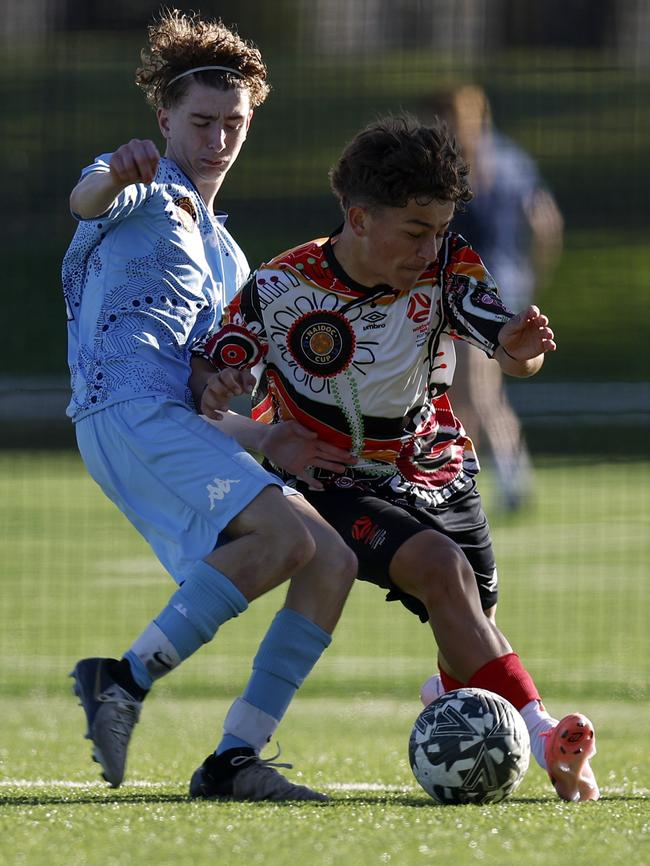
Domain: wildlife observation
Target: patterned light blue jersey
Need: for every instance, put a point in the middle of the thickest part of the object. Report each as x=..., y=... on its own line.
x=142, y=283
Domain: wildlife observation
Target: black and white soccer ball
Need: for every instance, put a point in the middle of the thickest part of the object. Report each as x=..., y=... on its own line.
x=469, y=746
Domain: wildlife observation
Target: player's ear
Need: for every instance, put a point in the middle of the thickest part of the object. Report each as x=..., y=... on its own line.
x=357, y=217
x=248, y=120
x=163, y=121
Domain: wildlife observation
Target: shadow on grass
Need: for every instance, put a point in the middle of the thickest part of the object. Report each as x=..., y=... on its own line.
x=86, y=799
x=20, y=800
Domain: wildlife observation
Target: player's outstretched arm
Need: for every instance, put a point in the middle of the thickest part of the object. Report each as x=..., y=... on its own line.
x=299, y=451
x=213, y=390
x=135, y=162
x=523, y=342
x=289, y=445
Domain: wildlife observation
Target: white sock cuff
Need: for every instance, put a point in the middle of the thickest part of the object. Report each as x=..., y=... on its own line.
x=537, y=720
x=249, y=723
x=534, y=712
x=156, y=652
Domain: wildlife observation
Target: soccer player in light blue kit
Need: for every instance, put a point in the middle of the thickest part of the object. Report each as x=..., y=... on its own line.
x=145, y=276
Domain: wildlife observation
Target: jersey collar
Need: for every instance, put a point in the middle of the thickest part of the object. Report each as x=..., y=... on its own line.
x=344, y=277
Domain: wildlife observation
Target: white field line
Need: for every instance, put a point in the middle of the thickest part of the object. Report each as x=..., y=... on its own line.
x=65, y=783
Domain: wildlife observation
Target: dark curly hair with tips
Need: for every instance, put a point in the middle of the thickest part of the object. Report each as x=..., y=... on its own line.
x=397, y=159
x=179, y=42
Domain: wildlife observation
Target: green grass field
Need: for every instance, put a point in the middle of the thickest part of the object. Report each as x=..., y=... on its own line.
x=78, y=581
x=54, y=812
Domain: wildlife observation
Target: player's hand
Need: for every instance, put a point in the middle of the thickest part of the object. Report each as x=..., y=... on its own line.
x=298, y=450
x=220, y=389
x=135, y=162
x=527, y=335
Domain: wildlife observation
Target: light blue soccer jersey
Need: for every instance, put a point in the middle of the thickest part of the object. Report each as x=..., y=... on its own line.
x=142, y=283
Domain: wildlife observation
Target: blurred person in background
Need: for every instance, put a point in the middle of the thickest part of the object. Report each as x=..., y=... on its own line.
x=514, y=224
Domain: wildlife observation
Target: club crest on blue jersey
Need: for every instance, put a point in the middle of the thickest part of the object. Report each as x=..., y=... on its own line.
x=186, y=212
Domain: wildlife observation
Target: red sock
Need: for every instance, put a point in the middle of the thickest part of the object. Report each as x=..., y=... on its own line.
x=449, y=683
x=507, y=677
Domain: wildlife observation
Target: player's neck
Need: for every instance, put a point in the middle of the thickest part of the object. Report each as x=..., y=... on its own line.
x=348, y=254
x=208, y=193
x=207, y=189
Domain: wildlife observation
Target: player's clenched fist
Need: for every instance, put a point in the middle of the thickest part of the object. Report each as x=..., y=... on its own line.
x=222, y=387
x=135, y=162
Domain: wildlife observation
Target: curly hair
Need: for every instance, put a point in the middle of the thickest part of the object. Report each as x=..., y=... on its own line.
x=397, y=159
x=179, y=42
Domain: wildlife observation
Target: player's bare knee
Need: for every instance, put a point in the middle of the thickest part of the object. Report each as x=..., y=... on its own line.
x=443, y=575
x=334, y=568
x=344, y=567
x=296, y=546
x=349, y=565
x=301, y=552
x=283, y=536
x=455, y=575
x=429, y=552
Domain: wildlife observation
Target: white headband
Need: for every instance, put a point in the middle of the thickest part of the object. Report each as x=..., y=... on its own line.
x=205, y=69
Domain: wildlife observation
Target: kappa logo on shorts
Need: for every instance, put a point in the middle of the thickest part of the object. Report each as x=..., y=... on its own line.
x=367, y=532
x=218, y=488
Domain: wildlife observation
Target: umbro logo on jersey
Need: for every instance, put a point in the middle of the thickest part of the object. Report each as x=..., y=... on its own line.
x=367, y=532
x=419, y=307
x=218, y=488
x=374, y=320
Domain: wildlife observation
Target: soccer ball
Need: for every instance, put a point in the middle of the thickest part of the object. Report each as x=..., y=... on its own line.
x=469, y=746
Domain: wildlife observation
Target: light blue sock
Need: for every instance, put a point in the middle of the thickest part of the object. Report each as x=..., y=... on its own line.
x=139, y=670
x=290, y=649
x=205, y=600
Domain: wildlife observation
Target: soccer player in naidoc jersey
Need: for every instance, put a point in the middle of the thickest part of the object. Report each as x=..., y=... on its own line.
x=147, y=272
x=354, y=336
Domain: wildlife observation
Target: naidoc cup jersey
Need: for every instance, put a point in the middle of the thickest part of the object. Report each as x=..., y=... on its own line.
x=141, y=282
x=367, y=369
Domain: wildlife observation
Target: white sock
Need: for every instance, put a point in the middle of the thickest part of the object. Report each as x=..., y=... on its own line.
x=537, y=721
x=431, y=690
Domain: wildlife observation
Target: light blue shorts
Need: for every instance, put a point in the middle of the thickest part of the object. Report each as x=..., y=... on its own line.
x=178, y=479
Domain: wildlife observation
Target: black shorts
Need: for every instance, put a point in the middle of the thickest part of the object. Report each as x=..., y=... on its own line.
x=375, y=528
